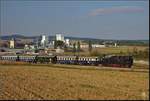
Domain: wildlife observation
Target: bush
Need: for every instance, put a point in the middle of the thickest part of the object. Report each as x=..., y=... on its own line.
x=141, y=54
x=94, y=53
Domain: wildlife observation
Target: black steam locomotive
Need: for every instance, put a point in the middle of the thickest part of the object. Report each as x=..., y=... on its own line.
x=109, y=60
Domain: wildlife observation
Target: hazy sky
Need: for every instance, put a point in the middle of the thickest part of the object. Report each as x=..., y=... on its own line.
x=94, y=19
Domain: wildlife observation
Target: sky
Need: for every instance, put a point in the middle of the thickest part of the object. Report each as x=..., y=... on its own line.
x=89, y=19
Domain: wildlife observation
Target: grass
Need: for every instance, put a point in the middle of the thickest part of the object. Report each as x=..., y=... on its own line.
x=60, y=82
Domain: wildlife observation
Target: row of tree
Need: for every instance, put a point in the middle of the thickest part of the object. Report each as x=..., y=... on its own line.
x=76, y=46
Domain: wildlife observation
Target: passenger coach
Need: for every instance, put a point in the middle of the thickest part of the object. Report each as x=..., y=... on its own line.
x=88, y=60
x=67, y=59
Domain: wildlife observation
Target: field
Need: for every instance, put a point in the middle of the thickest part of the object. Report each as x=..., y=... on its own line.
x=111, y=50
x=73, y=82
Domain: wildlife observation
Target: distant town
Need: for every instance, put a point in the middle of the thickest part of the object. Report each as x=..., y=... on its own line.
x=44, y=45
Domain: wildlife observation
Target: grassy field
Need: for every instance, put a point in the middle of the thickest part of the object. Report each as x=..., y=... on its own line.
x=111, y=50
x=73, y=82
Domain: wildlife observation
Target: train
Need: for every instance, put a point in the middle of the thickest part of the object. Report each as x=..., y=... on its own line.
x=108, y=60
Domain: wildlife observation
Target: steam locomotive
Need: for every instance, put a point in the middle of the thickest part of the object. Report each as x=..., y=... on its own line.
x=108, y=60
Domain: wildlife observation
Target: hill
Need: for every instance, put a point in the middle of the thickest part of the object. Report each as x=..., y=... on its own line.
x=98, y=41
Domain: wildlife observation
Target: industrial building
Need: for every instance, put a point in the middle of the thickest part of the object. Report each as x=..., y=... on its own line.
x=59, y=37
x=12, y=43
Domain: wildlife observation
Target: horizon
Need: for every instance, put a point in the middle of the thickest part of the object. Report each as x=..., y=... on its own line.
x=115, y=20
x=76, y=37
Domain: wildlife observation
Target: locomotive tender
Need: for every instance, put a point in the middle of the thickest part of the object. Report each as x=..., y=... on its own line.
x=108, y=60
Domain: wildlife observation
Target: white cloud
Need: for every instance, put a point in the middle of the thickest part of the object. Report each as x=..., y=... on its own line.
x=119, y=9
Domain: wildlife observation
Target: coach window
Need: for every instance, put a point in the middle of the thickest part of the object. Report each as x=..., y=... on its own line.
x=92, y=59
x=87, y=59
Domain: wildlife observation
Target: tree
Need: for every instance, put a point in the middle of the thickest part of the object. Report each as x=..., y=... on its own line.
x=65, y=48
x=121, y=52
x=55, y=44
x=135, y=51
x=36, y=51
x=74, y=48
x=78, y=47
x=95, y=53
x=90, y=46
x=58, y=44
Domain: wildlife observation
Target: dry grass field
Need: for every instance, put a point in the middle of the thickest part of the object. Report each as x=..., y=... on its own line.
x=67, y=82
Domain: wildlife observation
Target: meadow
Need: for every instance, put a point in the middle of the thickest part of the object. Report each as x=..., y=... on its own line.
x=138, y=52
x=61, y=82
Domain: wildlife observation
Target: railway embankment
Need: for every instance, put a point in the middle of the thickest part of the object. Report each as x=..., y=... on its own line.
x=144, y=62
